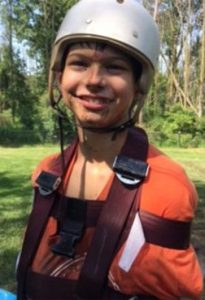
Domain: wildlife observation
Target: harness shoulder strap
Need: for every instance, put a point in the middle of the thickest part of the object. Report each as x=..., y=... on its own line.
x=110, y=231
x=111, y=224
x=37, y=221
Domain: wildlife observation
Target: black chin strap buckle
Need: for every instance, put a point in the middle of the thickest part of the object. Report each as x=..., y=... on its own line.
x=130, y=171
x=71, y=228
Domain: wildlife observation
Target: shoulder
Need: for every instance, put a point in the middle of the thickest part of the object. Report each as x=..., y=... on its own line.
x=159, y=162
x=45, y=164
x=168, y=191
x=53, y=163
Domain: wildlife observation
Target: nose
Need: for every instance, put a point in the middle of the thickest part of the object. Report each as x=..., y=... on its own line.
x=95, y=76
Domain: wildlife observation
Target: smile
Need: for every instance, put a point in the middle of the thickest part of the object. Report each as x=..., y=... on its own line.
x=93, y=102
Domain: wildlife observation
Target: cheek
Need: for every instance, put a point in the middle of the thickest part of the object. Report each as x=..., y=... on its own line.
x=63, y=88
x=65, y=81
x=128, y=92
x=67, y=101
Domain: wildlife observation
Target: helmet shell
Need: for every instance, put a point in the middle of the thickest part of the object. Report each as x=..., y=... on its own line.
x=125, y=24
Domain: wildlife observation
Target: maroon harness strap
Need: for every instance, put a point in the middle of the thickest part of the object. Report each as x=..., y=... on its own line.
x=94, y=272
x=43, y=206
x=65, y=289
x=27, y=280
x=32, y=236
x=111, y=223
x=164, y=232
x=37, y=287
x=37, y=222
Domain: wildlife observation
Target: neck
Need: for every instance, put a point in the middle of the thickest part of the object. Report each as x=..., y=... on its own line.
x=100, y=146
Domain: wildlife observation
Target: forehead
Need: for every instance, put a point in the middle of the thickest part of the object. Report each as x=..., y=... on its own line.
x=97, y=49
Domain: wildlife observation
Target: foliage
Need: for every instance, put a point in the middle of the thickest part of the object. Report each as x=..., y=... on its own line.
x=174, y=111
x=14, y=90
x=176, y=126
x=48, y=125
x=5, y=119
x=38, y=26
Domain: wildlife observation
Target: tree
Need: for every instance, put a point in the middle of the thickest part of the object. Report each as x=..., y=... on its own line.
x=201, y=101
x=36, y=23
x=180, y=24
x=179, y=81
x=15, y=93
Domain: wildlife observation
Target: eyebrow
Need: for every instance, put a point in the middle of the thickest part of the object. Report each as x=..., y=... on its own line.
x=111, y=57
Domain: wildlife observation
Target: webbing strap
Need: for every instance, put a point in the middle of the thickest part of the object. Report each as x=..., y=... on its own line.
x=110, y=226
x=164, y=232
x=37, y=221
x=32, y=237
x=64, y=289
x=40, y=215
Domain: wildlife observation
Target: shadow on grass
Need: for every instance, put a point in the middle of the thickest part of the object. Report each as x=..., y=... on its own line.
x=198, y=229
x=14, y=185
x=15, y=197
x=200, y=186
x=200, y=213
x=7, y=266
x=15, y=204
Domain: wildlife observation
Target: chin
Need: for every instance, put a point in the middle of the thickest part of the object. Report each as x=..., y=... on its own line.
x=99, y=121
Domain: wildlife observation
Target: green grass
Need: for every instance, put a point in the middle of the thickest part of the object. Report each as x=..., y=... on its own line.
x=16, y=165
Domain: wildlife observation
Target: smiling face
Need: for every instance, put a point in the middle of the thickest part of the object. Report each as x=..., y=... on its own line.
x=98, y=85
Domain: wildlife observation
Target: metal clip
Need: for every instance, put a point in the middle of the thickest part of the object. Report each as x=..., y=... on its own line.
x=130, y=171
x=48, y=183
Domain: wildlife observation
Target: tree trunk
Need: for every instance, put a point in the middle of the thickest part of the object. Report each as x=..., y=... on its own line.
x=201, y=100
x=11, y=63
x=187, y=55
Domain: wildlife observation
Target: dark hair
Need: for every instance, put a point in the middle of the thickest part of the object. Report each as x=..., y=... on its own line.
x=137, y=68
x=136, y=65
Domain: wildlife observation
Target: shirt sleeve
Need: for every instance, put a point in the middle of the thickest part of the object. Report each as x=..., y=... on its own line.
x=158, y=271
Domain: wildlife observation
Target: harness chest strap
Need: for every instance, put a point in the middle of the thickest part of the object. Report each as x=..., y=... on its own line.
x=39, y=218
x=65, y=289
x=117, y=223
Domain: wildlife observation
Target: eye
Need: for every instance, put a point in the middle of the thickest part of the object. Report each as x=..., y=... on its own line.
x=116, y=68
x=77, y=64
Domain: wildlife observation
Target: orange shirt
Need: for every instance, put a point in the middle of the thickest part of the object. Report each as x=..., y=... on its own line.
x=165, y=273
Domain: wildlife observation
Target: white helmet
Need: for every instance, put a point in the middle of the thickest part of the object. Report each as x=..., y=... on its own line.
x=125, y=24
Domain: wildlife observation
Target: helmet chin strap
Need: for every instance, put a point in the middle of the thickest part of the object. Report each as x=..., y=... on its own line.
x=62, y=116
x=115, y=130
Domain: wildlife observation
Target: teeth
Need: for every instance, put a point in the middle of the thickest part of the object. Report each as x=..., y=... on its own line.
x=95, y=100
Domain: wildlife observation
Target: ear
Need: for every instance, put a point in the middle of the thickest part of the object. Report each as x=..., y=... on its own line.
x=59, y=76
x=137, y=91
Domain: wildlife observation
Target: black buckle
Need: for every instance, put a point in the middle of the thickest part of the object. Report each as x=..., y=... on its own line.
x=66, y=245
x=47, y=183
x=72, y=227
x=130, y=171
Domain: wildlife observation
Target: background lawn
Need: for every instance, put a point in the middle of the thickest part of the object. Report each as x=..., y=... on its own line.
x=16, y=165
